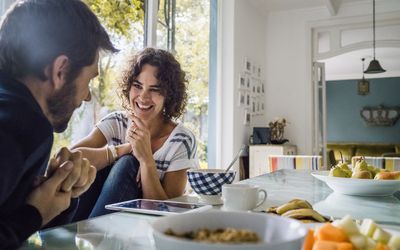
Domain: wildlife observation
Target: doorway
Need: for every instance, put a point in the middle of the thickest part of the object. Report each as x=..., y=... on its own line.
x=337, y=45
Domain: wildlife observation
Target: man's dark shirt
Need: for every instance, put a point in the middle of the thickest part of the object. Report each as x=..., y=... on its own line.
x=26, y=138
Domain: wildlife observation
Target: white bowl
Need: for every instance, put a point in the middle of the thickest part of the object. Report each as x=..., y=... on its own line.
x=361, y=187
x=275, y=232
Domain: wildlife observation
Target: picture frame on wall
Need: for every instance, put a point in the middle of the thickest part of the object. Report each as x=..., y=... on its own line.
x=242, y=81
x=248, y=82
x=247, y=65
x=242, y=99
x=248, y=100
x=254, y=69
x=247, y=117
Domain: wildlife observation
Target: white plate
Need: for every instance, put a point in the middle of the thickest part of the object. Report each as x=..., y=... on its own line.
x=362, y=187
x=210, y=199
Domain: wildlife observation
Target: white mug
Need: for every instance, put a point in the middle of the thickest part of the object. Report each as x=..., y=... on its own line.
x=242, y=197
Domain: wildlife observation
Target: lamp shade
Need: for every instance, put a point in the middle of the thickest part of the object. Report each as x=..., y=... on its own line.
x=374, y=67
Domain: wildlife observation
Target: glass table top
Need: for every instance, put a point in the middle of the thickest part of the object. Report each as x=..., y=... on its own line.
x=133, y=231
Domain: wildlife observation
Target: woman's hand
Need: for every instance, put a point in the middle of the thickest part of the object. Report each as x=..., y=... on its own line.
x=139, y=137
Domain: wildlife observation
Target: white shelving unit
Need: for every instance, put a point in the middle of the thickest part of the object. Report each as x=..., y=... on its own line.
x=259, y=156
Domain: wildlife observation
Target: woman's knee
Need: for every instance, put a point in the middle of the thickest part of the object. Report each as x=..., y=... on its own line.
x=126, y=165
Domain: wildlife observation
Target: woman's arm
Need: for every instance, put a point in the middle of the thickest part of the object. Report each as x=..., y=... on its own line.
x=174, y=182
x=172, y=185
x=93, y=147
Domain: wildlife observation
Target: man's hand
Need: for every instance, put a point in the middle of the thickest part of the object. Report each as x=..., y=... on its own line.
x=49, y=200
x=81, y=176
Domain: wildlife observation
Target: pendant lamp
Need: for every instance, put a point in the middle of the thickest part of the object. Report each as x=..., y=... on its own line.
x=363, y=84
x=374, y=66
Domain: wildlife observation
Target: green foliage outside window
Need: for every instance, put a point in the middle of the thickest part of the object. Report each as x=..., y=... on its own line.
x=124, y=20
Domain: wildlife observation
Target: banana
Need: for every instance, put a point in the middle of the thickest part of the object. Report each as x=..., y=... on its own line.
x=271, y=210
x=308, y=221
x=291, y=205
x=304, y=213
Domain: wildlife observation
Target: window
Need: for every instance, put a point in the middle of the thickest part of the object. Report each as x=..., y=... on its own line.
x=183, y=27
x=124, y=21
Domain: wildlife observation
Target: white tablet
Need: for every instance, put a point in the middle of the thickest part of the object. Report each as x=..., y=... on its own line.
x=157, y=207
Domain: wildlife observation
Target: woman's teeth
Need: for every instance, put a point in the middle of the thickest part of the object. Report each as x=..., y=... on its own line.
x=144, y=107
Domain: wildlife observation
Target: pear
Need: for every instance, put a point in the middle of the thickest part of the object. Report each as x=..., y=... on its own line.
x=373, y=170
x=362, y=175
x=377, y=171
x=349, y=173
x=346, y=169
x=344, y=166
x=361, y=165
x=338, y=172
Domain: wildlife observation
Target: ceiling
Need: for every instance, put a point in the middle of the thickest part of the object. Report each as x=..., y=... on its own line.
x=349, y=65
x=282, y=5
x=346, y=66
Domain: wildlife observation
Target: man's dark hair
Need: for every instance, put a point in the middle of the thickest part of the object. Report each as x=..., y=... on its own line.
x=33, y=33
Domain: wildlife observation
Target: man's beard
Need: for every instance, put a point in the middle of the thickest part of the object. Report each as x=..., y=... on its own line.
x=61, y=106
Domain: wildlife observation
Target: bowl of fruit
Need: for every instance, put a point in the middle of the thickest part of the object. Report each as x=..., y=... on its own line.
x=362, y=179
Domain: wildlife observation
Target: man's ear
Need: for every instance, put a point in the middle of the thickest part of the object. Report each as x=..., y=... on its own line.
x=59, y=71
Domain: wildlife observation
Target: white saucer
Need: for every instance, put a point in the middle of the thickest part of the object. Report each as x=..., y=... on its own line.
x=210, y=199
x=236, y=210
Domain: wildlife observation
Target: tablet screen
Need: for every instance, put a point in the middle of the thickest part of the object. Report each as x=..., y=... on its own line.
x=155, y=206
x=161, y=206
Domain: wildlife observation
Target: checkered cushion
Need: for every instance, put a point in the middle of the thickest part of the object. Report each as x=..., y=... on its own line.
x=209, y=183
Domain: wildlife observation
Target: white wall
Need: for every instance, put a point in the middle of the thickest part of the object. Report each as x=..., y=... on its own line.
x=288, y=63
x=281, y=42
x=4, y=4
x=288, y=81
x=242, y=34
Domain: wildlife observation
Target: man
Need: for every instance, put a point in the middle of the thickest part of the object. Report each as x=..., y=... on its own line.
x=49, y=51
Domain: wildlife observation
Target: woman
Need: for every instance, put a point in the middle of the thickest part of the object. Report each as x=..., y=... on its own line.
x=141, y=152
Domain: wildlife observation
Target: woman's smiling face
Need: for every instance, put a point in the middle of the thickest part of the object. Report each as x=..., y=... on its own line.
x=145, y=96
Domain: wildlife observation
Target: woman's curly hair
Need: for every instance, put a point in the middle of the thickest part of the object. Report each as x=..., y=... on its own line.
x=170, y=76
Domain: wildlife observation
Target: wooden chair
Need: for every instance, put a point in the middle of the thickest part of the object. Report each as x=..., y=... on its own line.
x=389, y=163
x=311, y=162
